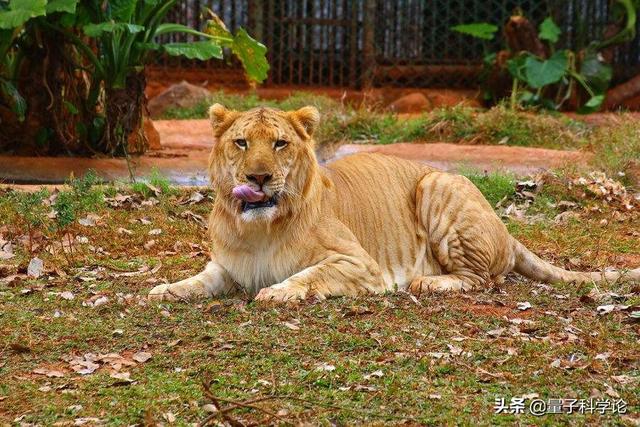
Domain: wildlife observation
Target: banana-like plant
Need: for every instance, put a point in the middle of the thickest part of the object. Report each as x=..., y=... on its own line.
x=114, y=39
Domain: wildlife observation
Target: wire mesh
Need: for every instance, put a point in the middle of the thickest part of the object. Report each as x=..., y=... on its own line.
x=402, y=43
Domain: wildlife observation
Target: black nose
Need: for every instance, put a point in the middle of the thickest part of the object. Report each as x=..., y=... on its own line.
x=259, y=179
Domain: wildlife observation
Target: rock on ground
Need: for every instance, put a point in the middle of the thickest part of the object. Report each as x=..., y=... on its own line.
x=418, y=102
x=412, y=103
x=181, y=95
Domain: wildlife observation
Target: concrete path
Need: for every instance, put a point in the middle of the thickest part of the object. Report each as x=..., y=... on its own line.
x=186, y=145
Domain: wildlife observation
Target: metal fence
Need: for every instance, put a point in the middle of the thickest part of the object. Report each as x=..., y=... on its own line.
x=405, y=43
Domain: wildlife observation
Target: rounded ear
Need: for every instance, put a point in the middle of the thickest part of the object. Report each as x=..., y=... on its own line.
x=221, y=118
x=306, y=119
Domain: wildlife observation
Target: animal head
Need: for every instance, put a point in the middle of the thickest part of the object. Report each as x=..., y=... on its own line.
x=263, y=159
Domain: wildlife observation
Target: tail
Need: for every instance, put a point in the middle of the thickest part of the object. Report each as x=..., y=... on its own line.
x=529, y=265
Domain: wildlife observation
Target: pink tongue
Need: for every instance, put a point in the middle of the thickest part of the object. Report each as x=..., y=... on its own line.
x=248, y=194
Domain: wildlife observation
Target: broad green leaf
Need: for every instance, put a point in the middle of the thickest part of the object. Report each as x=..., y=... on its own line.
x=549, y=30
x=36, y=6
x=595, y=72
x=203, y=50
x=216, y=27
x=148, y=46
x=481, y=30
x=68, y=6
x=96, y=30
x=122, y=10
x=252, y=54
x=16, y=101
x=20, y=11
x=132, y=28
x=592, y=104
x=540, y=73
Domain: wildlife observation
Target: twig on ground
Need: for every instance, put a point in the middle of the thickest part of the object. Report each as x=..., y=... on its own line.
x=223, y=412
x=250, y=404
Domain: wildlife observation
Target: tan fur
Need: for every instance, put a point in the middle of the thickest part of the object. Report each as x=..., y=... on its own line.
x=364, y=224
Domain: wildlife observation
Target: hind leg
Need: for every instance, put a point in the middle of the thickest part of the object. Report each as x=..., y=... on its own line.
x=441, y=283
x=466, y=238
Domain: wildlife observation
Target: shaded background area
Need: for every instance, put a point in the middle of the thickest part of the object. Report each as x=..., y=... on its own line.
x=373, y=43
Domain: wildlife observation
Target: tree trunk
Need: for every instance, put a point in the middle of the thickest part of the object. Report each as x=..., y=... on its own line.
x=521, y=35
x=55, y=92
x=124, y=109
x=496, y=81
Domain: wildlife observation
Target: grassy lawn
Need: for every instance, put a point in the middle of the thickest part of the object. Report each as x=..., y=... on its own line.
x=80, y=343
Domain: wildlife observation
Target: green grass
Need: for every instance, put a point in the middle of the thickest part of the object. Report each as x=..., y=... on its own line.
x=617, y=148
x=495, y=186
x=501, y=125
x=266, y=358
x=153, y=183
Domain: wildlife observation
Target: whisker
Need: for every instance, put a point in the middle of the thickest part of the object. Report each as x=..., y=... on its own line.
x=291, y=193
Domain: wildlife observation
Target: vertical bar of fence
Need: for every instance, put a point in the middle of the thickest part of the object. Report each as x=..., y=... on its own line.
x=353, y=42
x=281, y=27
x=270, y=43
x=368, y=43
x=293, y=45
x=343, y=42
x=301, y=40
x=332, y=41
x=321, y=41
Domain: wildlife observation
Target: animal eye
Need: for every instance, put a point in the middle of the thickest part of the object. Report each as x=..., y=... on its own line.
x=280, y=143
x=242, y=143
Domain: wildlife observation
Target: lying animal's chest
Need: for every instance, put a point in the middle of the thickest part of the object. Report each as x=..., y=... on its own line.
x=259, y=268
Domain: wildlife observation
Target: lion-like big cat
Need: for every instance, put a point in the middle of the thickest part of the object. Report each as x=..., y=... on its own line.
x=283, y=228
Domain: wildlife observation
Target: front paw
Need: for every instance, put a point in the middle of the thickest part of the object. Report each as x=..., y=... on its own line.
x=282, y=293
x=177, y=291
x=160, y=293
